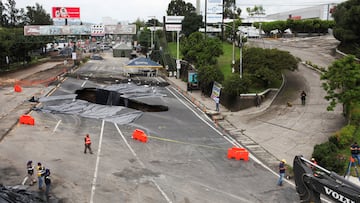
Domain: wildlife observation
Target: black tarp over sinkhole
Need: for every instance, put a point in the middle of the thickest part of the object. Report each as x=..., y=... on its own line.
x=113, y=98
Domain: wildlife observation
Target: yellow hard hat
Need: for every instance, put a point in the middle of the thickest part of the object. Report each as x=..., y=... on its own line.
x=284, y=161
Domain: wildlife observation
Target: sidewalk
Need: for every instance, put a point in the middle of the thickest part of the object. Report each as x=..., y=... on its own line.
x=226, y=121
x=229, y=122
x=16, y=104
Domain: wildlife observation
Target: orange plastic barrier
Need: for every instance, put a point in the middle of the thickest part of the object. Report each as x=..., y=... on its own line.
x=139, y=135
x=238, y=153
x=26, y=119
x=17, y=88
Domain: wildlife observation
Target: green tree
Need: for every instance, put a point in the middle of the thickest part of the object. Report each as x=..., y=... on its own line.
x=266, y=65
x=153, y=22
x=207, y=74
x=342, y=82
x=3, y=17
x=347, y=18
x=12, y=13
x=191, y=23
x=347, y=26
x=234, y=85
x=229, y=7
x=145, y=39
x=180, y=8
x=327, y=155
x=258, y=10
x=139, y=24
x=17, y=47
x=36, y=15
x=200, y=51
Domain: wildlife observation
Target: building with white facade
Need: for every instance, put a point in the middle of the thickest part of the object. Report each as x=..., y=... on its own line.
x=322, y=12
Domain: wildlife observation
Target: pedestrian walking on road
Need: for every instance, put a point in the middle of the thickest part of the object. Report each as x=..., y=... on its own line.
x=257, y=100
x=282, y=169
x=30, y=173
x=303, y=97
x=47, y=181
x=217, y=101
x=87, y=143
x=354, y=148
x=40, y=174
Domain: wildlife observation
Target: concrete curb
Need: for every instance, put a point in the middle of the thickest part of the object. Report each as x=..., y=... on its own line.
x=231, y=130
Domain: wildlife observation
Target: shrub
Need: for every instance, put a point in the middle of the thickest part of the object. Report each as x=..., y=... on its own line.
x=345, y=136
x=327, y=155
x=354, y=113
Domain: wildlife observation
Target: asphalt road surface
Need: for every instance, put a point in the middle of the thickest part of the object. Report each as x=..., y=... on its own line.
x=184, y=160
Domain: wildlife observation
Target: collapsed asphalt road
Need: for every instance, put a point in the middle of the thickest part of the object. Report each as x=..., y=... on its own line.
x=119, y=103
x=185, y=159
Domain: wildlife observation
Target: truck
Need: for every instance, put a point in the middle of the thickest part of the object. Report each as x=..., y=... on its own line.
x=313, y=180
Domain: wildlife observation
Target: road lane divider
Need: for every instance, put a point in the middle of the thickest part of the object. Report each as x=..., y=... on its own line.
x=57, y=125
x=142, y=164
x=185, y=143
x=93, y=188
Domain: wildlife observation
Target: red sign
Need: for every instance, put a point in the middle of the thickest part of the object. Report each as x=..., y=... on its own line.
x=65, y=12
x=296, y=18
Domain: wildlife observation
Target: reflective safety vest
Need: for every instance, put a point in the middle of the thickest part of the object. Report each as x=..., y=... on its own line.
x=87, y=140
x=40, y=171
x=30, y=169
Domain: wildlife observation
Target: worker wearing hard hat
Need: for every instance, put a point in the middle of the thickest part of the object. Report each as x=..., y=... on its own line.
x=282, y=169
x=313, y=166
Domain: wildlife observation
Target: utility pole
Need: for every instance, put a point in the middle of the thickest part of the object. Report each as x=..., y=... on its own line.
x=152, y=34
x=240, y=62
x=205, y=16
x=233, y=36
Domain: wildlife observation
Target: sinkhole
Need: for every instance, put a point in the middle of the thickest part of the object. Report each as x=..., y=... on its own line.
x=113, y=98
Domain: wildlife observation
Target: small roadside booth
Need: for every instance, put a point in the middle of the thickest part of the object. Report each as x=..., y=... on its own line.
x=142, y=66
x=122, y=50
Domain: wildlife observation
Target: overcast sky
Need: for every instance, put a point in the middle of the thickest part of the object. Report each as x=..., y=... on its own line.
x=93, y=11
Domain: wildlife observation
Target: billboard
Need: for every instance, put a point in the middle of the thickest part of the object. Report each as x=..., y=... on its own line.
x=40, y=30
x=216, y=90
x=214, y=12
x=65, y=12
x=173, y=23
x=97, y=30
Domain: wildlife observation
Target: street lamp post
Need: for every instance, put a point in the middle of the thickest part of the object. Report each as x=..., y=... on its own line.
x=240, y=62
x=233, y=53
x=234, y=33
x=152, y=34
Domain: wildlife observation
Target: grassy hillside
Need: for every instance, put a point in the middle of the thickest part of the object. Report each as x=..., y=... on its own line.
x=224, y=61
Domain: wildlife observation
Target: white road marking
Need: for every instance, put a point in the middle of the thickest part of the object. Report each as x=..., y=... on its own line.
x=57, y=125
x=142, y=164
x=233, y=141
x=97, y=163
x=24, y=181
x=229, y=139
x=83, y=84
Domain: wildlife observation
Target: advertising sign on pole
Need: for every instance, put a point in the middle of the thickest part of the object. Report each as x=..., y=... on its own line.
x=97, y=30
x=173, y=23
x=173, y=27
x=174, y=19
x=216, y=90
x=65, y=12
x=214, y=11
x=73, y=55
x=192, y=77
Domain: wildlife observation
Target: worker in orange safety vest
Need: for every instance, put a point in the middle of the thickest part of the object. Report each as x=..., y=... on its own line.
x=87, y=143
